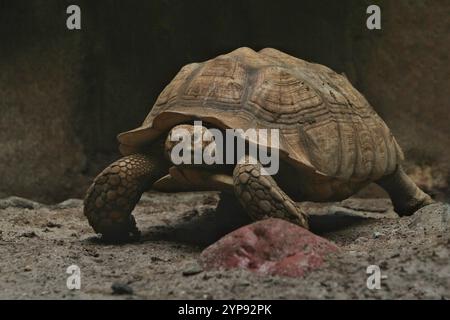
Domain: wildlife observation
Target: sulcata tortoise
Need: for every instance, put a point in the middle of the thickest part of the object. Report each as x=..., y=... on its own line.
x=331, y=142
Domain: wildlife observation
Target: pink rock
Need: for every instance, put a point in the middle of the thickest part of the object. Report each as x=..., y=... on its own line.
x=269, y=247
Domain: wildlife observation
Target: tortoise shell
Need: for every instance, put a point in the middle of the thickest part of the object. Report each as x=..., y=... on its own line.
x=325, y=124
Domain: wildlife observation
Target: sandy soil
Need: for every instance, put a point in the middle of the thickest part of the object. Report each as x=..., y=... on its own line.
x=38, y=243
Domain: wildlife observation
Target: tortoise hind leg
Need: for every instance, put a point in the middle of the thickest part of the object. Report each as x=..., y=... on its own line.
x=406, y=197
x=262, y=198
x=115, y=192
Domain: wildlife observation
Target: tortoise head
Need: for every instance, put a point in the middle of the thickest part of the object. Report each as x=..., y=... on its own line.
x=192, y=144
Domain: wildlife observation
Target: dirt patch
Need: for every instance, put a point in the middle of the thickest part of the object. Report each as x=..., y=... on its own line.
x=38, y=243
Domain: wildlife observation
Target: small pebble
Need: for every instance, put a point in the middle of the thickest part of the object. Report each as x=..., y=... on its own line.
x=192, y=269
x=53, y=225
x=377, y=235
x=30, y=234
x=121, y=288
x=155, y=259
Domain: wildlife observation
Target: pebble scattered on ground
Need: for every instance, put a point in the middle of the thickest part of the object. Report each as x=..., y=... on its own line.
x=39, y=242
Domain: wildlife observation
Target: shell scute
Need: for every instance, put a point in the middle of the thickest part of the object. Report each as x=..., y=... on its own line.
x=326, y=126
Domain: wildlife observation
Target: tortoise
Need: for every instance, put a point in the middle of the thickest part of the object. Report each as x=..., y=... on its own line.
x=332, y=143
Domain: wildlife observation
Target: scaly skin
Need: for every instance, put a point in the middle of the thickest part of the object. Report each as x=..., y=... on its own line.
x=115, y=192
x=262, y=197
x=406, y=196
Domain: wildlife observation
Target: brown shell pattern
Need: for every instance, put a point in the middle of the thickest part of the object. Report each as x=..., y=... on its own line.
x=325, y=123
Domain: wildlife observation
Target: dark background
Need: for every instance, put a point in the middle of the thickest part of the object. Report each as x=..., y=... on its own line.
x=65, y=95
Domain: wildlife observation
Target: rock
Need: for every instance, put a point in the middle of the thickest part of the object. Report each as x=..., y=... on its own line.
x=121, y=288
x=351, y=208
x=69, y=204
x=377, y=235
x=269, y=247
x=434, y=216
x=156, y=259
x=29, y=234
x=18, y=202
x=192, y=269
x=332, y=216
x=51, y=224
x=92, y=252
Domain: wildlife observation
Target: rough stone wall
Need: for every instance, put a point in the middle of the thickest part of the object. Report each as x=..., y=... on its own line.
x=40, y=156
x=65, y=95
x=404, y=71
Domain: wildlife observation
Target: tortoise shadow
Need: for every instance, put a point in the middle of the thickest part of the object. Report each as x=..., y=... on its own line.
x=205, y=229
x=202, y=229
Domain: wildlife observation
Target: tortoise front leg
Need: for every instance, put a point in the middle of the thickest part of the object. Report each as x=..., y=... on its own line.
x=406, y=196
x=262, y=198
x=115, y=192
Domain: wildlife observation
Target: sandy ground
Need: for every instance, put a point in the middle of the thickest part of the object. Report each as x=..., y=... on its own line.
x=38, y=243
